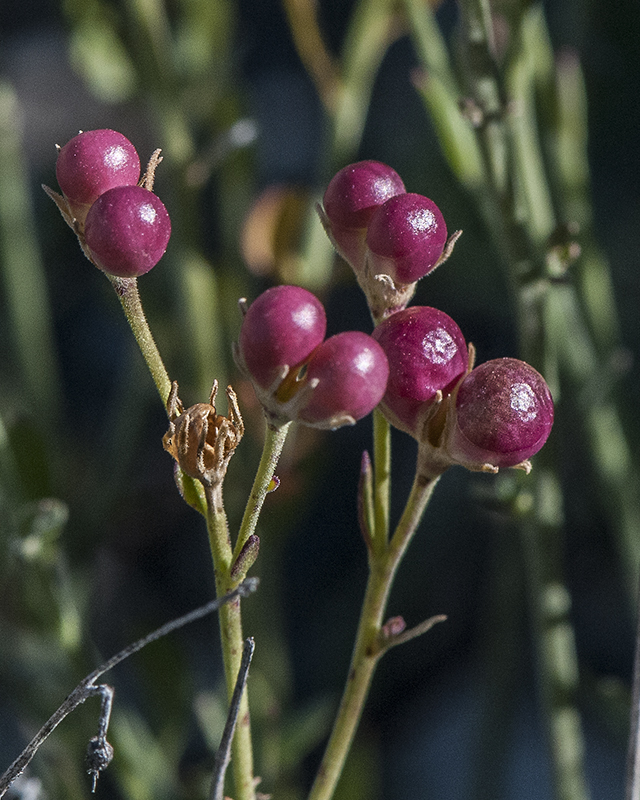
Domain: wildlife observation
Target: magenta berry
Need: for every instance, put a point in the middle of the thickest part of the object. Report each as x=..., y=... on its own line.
x=93, y=162
x=504, y=414
x=283, y=326
x=427, y=352
x=351, y=371
x=353, y=194
x=406, y=238
x=127, y=231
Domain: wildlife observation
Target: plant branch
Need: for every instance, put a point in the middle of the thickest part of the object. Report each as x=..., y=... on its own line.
x=370, y=644
x=129, y=297
x=223, y=755
x=87, y=688
x=275, y=437
x=231, y=638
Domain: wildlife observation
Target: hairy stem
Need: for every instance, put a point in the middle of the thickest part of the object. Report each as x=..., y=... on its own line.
x=275, y=437
x=127, y=291
x=232, y=641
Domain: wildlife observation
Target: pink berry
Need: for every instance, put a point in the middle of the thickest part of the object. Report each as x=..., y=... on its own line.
x=283, y=326
x=93, y=162
x=406, y=237
x=504, y=414
x=353, y=194
x=427, y=352
x=352, y=371
x=127, y=231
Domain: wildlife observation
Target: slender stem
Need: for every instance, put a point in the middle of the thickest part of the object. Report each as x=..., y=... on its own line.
x=127, y=291
x=223, y=756
x=305, y=30
x=382, y=478
x=232, y=641
x=275, y=437
x=86, y=687
x=550, y=610
x=368, y=647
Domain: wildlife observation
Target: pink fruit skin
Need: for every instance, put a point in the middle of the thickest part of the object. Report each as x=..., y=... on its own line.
x=284, y=325
x=427, y=352
x=93, y=162
x=504, y=413
x=352, y=196
x=352, y=370
x=127, y=231
x=354, y=193
x=406, y=237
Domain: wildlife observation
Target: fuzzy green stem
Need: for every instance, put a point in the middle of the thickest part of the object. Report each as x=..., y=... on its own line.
x=231, y=639
x=127, y=291
x=274, y=440
x=368, y=646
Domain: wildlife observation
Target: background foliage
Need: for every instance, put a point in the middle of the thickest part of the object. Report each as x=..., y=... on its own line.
x=96, y=547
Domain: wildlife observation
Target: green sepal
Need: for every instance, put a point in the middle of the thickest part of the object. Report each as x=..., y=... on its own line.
x=190, y=490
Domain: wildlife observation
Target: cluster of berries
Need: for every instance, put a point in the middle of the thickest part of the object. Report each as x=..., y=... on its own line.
x=122, y=225
x=416, y=364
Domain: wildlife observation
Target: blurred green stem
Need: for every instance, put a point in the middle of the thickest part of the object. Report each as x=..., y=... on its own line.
x=346, y=86
x=516, y=203
x=25, y=285
x=550, y=608
x=519, y=185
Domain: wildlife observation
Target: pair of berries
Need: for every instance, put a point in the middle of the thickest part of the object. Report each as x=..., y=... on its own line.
x=389, y=236
x=297, y=373
x=498, y=414
x=123, y=227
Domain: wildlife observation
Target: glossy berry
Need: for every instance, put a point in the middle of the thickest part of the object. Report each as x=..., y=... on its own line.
x=352, y=196
x=406, y=237
x=504, y=414
x=352, y=370
x=283, y=326
x=93, y=162
x=427, y=352
x=127, y=231
x=354, y=193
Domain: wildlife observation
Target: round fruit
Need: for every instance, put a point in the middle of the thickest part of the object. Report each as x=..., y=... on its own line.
x=406, y=237
x=354, y=193
x=352, y=196
x=93, y=162
x=427, y=352
x=351, y=370
x=504, y=414
x=283, y=326
x=127, y=231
